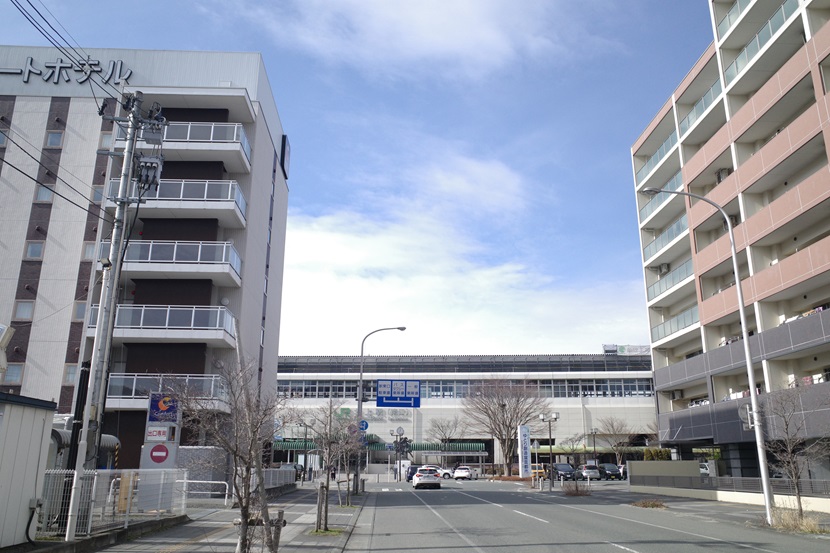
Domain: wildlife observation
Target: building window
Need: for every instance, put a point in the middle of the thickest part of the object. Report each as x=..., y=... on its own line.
x=13, y=374
x=70, y=374
x=23, y=310
x=97, y=194
x=3, y=138
x=54, y=139
x=88, y=253
x=34, y=250
x=106, y=140
x=79, y=312
x=44, y=193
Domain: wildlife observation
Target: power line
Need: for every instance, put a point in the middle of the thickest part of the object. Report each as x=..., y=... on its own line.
x=56, y=193
x=42, y=152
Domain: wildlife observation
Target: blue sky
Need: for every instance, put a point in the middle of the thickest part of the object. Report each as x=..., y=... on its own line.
x=459, y=167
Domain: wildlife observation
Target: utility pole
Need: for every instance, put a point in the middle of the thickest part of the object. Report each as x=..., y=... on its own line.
x=90, y=431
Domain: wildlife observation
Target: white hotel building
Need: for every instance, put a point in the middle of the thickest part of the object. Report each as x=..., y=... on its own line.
x=204, y=247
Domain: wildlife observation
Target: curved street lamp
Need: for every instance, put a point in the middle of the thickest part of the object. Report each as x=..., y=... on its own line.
x=750, y=374
x=360, y=391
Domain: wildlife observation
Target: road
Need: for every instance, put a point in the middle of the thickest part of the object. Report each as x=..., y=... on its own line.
x=494, y=517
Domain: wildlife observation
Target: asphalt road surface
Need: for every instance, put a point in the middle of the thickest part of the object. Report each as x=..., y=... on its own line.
x=495, y=517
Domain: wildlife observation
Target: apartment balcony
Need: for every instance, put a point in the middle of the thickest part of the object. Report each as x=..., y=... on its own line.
x=211, y=325
x=673, y=279
x=687, y=320
x=132, y=391
x=189, y=199
x=655, y=160
x=667, y=243
x=753, y=62
x=728, y=20
x=155, y=259
x=186, y=141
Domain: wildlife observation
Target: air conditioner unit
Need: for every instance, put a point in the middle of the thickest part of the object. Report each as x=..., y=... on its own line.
x=733, y=219
x=721, y=174
x=663, y=269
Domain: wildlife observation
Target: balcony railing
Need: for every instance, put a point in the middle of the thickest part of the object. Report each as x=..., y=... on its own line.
x=674, y=184
x=672, y=279
x=730, y=18
x=673, y=231
x=190, y=190
x=700, y=107
x=169, y=317
x=157, y=251
x=203, y=132
x=139, y=386
x=675, y=324
x=787, y=9
x=658, y=156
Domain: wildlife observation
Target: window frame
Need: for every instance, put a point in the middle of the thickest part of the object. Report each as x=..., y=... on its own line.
x=17, y=306
x=19, y=381
x=47, y=143
x=44, y=193
x=31, y=243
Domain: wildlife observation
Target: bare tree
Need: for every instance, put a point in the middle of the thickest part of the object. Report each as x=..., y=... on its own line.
x=573, y=446
x=329, y=426
x=789, y=440
x=239, y=422
x=498, y=408
x=445, y=430
x=616, y=434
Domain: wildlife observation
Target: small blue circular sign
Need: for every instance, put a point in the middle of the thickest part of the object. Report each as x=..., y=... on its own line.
x=364, y=425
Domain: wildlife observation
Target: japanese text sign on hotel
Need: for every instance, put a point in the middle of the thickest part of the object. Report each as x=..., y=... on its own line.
x=399, y=393
x=58, y=71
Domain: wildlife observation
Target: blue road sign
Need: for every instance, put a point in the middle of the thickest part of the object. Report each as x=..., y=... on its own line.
x=363, y=425
x=399, y=393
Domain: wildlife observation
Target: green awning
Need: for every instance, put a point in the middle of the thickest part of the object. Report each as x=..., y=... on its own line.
x=449, y=446
x=294, y=445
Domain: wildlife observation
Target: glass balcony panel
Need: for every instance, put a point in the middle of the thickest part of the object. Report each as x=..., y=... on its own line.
x=674, y=184
x=201, y=132
x=218, y=190
x=129, y=317
x=700, y=107
x=189, y=252
x=225, y=133
x=176, y=131
x=657, y=157
x=120, y=386
x=169, y=190
x=153, y=317
x=733, y=15
x=212, y=253
x=675, y=324
x=241, y=202
x=146, y=384
x=162, y=252
x=672, y=279
x=180, y=317
x=136, y=251
x=205, y=318
x=672, y=231
x=760, y=40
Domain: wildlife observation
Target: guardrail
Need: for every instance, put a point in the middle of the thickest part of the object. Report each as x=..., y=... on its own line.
x=781, y=486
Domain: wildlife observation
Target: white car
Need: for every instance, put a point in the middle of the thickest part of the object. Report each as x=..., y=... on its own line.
x=465, y=472
x=426, y=478
x=442, y=472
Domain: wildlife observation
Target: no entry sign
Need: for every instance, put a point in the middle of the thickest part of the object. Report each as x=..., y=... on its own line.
x=159, y=453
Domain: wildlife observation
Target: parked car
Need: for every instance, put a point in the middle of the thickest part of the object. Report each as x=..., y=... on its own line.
x=563, y=471
x=300, y=469
x=410, y=472
x=465, y=473
x=537, y=470
x=584, y=472
x=609, y=471
x=426, y=478
x=444, y=473
x=704, y=469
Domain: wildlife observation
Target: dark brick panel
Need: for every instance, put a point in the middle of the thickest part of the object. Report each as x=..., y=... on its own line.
x=173, y=292
x=166, y=358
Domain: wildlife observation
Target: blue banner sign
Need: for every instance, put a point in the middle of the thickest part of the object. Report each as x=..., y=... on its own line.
x=399, y=393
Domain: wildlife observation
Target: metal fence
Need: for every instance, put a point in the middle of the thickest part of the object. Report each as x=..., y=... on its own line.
x=780, y=486
x=110, y=499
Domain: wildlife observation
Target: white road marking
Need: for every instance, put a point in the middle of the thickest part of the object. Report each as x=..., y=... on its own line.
x=531, y=516
x=621, y=547
x=451, y=527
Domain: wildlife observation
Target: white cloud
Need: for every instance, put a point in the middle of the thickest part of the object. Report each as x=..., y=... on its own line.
x=452, y=39
x=346, y=275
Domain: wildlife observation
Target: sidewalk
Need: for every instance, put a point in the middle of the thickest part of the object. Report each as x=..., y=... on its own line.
x=212, y=530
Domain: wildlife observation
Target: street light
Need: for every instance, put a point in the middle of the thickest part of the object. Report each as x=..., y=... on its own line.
x=750, y=374
x=594, y=435
x=360, y=392
x=551, y=418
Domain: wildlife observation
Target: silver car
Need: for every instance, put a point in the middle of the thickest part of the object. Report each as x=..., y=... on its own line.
x=584, y=472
